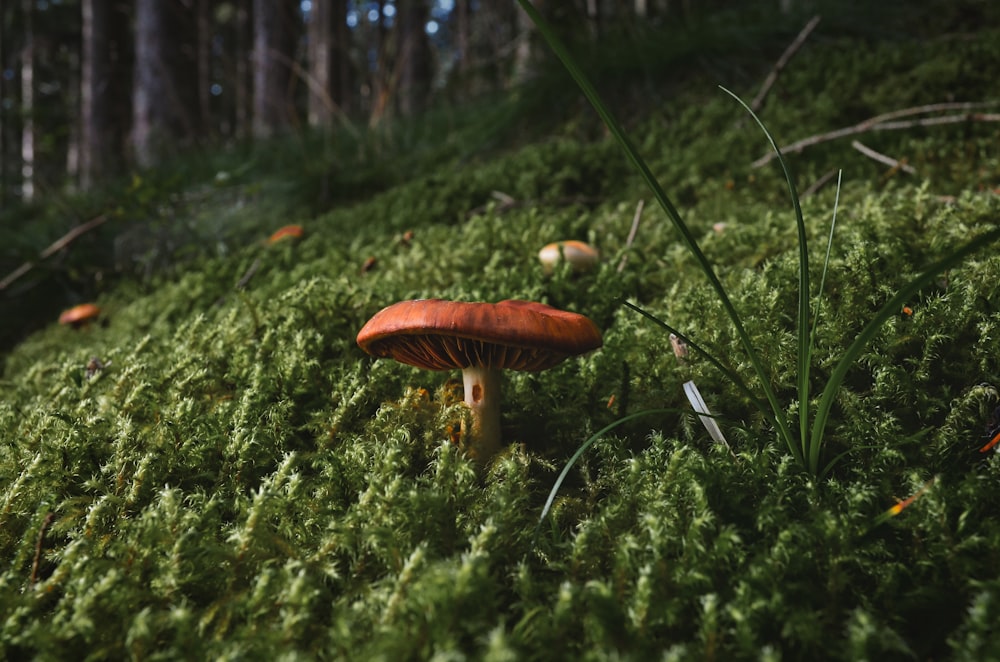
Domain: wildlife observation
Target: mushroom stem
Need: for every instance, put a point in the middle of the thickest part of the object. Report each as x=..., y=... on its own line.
x=482, y=395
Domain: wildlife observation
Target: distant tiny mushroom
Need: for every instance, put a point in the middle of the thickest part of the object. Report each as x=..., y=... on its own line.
x=287, y=232
x=481, y=339
x=79, y=316
x=580, y=255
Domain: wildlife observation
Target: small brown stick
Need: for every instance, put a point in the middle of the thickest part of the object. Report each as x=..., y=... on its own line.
x=55, y=247
x=819, y=183
x=935, y=121
x=248, y=274
x=772, y=77
x=882, y=158
x=631, y=234
x=38, y=547
x=885, y=122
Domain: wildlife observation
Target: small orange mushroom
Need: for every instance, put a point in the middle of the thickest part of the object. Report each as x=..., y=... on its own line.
x=81, y=315
x=287, y=232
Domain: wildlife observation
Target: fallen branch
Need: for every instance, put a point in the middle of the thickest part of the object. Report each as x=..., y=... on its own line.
x=882, y=158
x=782, y=62
x=54, y=248
x=886, y=122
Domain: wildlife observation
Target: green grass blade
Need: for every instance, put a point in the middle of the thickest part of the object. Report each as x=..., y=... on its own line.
x=803, y=329
x=891, y=307
x=826, y=264
x=583, y=449
x=661, y=197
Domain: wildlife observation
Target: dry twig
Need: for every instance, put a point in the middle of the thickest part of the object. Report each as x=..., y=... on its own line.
x=886, y=122
x=631, y=235
x=819, y=183
x=54, y=248
x=882, y=158
x=758, y=100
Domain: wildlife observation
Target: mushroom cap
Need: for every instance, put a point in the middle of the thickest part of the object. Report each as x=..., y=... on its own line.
x=78, y=314
x=580, y=255
x=443, y=335
x=286, y=232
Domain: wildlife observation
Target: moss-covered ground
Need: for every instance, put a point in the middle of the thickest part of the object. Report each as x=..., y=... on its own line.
x=240, y=481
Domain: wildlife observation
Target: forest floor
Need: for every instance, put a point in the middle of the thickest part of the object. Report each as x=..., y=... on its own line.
x=215, y=470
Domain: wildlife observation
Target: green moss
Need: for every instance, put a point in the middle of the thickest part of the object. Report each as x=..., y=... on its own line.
x=240, y=480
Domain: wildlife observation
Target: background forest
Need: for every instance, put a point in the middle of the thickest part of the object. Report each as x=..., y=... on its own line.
x=92, y=86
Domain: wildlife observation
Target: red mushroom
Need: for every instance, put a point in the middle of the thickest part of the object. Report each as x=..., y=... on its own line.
x=81, y=315
x=481, y=339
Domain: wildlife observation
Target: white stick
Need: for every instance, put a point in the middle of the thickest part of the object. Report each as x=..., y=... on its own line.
x=698, y=403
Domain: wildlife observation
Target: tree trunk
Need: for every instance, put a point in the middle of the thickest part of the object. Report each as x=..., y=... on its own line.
x=28, y=105
x=157, y=109
x=340, y=85
x=413, y=59
x=321, y=63
x=203, y=29
x=273, y=59
x=463, y=38
x=242, y=96
x=523, y=51
x=96, y=144
x=3, y=125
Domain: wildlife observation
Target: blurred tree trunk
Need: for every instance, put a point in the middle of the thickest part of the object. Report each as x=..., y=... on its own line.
x=463, y=39
x=378, y=58
x=96, y=142
x=525, y=31
x=73, y=103
x=322, y=66
x=203, y=58
x=340, y=89
x=242, y=96
x=414, y=57
x=27, y=104
x=274, y=43
x=161, y=114
x=3, y=95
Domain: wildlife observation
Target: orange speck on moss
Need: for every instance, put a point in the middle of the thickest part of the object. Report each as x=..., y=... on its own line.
x=287, y=232
x=78, y=316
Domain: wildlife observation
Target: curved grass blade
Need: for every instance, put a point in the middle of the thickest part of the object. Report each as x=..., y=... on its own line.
x=826, y=264
x=583, y=449
x=803, y=331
